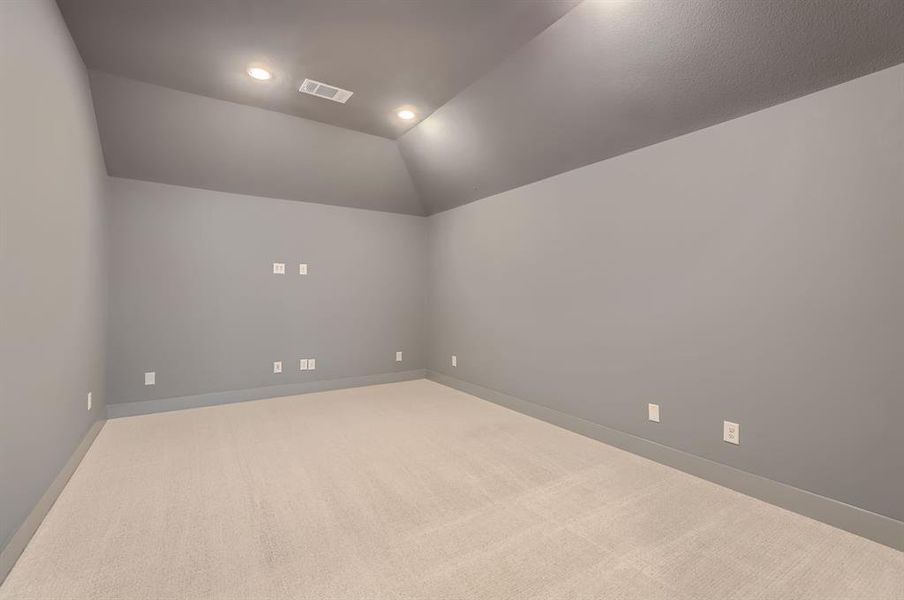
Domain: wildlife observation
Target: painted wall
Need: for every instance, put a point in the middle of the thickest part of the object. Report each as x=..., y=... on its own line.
x=52, y=290
x=194, y=298
x=751, y=272
x=154, y=133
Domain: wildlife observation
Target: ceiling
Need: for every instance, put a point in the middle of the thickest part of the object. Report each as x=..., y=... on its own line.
x=508, y=91
x=390, y=53
x=152, y=133
x=611, y=77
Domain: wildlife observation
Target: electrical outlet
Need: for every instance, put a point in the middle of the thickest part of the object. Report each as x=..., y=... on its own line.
x=303, y=269
x=312, y=364
x=279, y=268
x=150, y=378
x=303, y=364
x=89, y=401
x=277, y=366
x=731, y=432
x=398, y=357
x=653, y=412
x=454, y=361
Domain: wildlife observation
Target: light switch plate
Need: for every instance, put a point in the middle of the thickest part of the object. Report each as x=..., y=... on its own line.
x=89, y=400
x=312, y=364
x=731, y=432
x=279, y=268
x=454, y=361
x=150, y=378
x=303, y=364
x=398, y=357
x=653, y=412
x=303, y=269
x=277, y=366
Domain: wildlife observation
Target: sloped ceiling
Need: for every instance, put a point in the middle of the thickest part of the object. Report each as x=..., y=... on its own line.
x=611, y=77
x=154, y=133
x=608, y=77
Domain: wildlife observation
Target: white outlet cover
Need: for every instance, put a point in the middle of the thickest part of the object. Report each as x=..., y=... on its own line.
x=303, y=269
x=731, y=432
x=398, y=357
x=279, y=268
x=277, y=366
x=303, y=364
x=312, y=364
x=150, y=378
x=89, y=401
x=653, y=412
x=454, y=361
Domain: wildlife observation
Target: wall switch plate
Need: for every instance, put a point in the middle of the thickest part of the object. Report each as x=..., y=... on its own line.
x=653, y=412
x=277, y=366
x=454, y=361
x=89, y=401
x=303, y=269
x=279, y=268
x=398, y=357
x=312, y=364
x=303, y=364
x=731, y=432
x=150, y=378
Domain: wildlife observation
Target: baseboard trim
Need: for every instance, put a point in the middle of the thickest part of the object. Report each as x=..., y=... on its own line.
x=144, y=407
x=876, y=527
x=19, y=540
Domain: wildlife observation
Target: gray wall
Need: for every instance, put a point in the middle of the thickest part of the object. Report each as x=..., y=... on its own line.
x=158, y=134
x=193, y=297
x=52, y=247
x=752, y=272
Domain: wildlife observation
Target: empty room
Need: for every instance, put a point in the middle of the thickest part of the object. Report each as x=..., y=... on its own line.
x=451, y=299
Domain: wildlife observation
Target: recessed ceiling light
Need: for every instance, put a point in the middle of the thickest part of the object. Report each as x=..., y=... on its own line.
x=406, y=114
x=259, y=73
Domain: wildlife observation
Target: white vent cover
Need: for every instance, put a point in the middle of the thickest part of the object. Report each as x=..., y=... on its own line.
x=322, y=90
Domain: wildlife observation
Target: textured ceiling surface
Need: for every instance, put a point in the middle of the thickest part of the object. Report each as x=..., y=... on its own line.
x=611, y=77
x=390, y=53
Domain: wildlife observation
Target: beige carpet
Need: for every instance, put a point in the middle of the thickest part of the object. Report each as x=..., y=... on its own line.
x=415, y=490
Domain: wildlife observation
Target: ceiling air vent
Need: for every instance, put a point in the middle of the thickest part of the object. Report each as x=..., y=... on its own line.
x=322, y=90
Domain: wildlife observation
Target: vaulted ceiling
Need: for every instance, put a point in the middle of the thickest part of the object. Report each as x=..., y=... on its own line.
x=390, y=53
x=507, y=91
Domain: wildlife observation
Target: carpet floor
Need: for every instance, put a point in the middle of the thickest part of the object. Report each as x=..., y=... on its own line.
x=415, y=490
